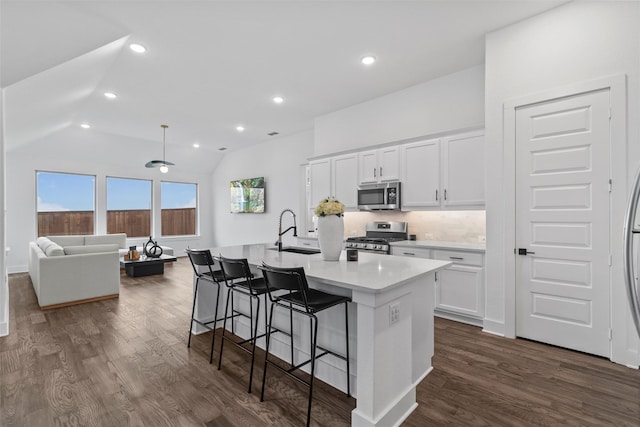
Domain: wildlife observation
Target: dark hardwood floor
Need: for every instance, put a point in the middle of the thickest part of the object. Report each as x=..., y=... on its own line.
x=125, y=362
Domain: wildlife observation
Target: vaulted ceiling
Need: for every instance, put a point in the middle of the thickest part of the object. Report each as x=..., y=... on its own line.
x=213, y=65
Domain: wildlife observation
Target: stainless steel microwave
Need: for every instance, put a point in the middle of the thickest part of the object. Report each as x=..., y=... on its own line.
x=376, y=197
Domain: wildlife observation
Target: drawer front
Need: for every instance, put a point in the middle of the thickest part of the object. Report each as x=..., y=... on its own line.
x=413, y=252
x=459, y=257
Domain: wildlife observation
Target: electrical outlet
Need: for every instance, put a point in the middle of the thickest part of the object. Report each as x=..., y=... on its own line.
x=394, y=313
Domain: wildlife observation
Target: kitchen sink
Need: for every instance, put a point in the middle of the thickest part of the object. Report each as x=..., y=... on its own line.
x=304, y=251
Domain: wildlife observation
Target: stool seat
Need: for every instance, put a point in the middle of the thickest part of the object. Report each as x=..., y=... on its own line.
x=316, y=300
x=257, y=285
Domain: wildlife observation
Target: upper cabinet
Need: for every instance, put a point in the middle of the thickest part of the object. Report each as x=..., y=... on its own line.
x=421, y=174
x=334, y=177
x=443, y=173
x=381, y=165
x=319, y=181
x=463, y=170
x=345, y=180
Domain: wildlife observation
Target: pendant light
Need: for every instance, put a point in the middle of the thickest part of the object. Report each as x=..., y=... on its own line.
x=163, y=164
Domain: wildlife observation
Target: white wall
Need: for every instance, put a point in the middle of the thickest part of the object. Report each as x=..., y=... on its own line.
x=279, y=161
x=4, y=286
x=451, y=102
x=577, y=42
x=21, y=197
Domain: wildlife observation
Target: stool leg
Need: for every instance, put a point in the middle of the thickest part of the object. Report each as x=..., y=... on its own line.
x=215, y=321
x=255, y=334
x=291, y=331
x=266, y=352
x=314, y=322
x=346, y=324
x=193, y=310
x=224, y=326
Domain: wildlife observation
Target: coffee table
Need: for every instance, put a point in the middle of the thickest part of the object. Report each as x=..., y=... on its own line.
x=147, y=266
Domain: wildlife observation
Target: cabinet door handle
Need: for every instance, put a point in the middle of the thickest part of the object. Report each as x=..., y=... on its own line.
x=445, y=194
x=380, y=171
x=307, y=244
x=456, y=258
x=436, y=195
x=374, y=172
x=408, y=253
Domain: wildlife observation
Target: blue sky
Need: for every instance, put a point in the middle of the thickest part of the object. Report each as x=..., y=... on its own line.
x=69, y=192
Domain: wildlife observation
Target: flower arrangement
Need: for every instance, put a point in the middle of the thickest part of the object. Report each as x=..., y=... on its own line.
x=329, y=206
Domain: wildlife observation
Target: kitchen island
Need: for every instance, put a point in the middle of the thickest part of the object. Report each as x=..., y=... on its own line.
x=393, y=299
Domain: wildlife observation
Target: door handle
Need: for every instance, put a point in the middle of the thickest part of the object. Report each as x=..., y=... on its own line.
x=436, y=195
x=374, y=173
x=524, y=251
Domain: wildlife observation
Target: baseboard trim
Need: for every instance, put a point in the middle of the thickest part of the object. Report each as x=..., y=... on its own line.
x=494, y=328
x=11, y=269
x=80, y=301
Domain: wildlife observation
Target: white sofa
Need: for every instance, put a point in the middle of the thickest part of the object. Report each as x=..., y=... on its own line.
x=67, y=270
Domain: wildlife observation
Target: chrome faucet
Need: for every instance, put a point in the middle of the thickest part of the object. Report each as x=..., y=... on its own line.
x=281, y=233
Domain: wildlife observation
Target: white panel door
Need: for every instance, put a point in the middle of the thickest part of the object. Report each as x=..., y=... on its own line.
x=345, y=180
x=562, y=219
x=421, y=174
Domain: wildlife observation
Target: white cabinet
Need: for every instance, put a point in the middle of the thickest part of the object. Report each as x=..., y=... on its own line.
x=460, y=287
x=445, y=173
x=345, y=180
x=381, y=165
x=421, y=174
x=463, y=170
x=459, y=290
x=412, y=252
x=319, y=181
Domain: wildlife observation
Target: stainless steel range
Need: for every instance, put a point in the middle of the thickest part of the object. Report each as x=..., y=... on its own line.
x=378, y=236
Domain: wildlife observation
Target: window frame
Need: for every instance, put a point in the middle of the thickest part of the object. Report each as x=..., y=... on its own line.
x=151, y=202
x=197, y=211
x=95, y=196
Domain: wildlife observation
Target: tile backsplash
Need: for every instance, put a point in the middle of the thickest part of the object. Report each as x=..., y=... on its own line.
x=449, y=226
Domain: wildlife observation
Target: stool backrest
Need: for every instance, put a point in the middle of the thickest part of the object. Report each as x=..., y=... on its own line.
x=234, y=268
x=289, y=279
x=200, y=258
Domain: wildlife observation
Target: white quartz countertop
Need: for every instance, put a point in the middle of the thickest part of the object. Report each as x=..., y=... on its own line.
x=434, y=244
x=372, y=272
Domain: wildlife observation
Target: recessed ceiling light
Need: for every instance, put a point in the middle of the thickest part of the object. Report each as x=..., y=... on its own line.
x=138, y=48
x=85, y=125
x=278, y=99
x=196, y=145
x=110, y=95
x=240, y=128
x=368, y=60
x=222, y=148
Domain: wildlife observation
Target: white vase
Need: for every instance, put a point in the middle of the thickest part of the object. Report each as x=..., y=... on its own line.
x=331, y=236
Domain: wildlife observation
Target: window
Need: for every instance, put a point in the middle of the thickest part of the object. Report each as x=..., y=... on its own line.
x=129, y=206
x=178, y=206
x=65, y=203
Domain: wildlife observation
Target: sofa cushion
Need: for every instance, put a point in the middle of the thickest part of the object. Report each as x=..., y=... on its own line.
x=90, y=249
x=43, y=243
x=54, y=249
x=119, y=239
x=67, y=240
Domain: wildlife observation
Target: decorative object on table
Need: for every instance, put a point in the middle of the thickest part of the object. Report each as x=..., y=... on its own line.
x=133, y=254
x=352, y=254
x=152, y=249
x=163, y=164
x=330, y=228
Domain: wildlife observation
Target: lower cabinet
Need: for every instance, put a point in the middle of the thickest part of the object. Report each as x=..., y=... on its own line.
x=459, y=290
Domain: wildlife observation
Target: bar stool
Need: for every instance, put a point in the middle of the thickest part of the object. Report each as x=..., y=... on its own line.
x=203, y=258
x=238, y=278
x=307, y=302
